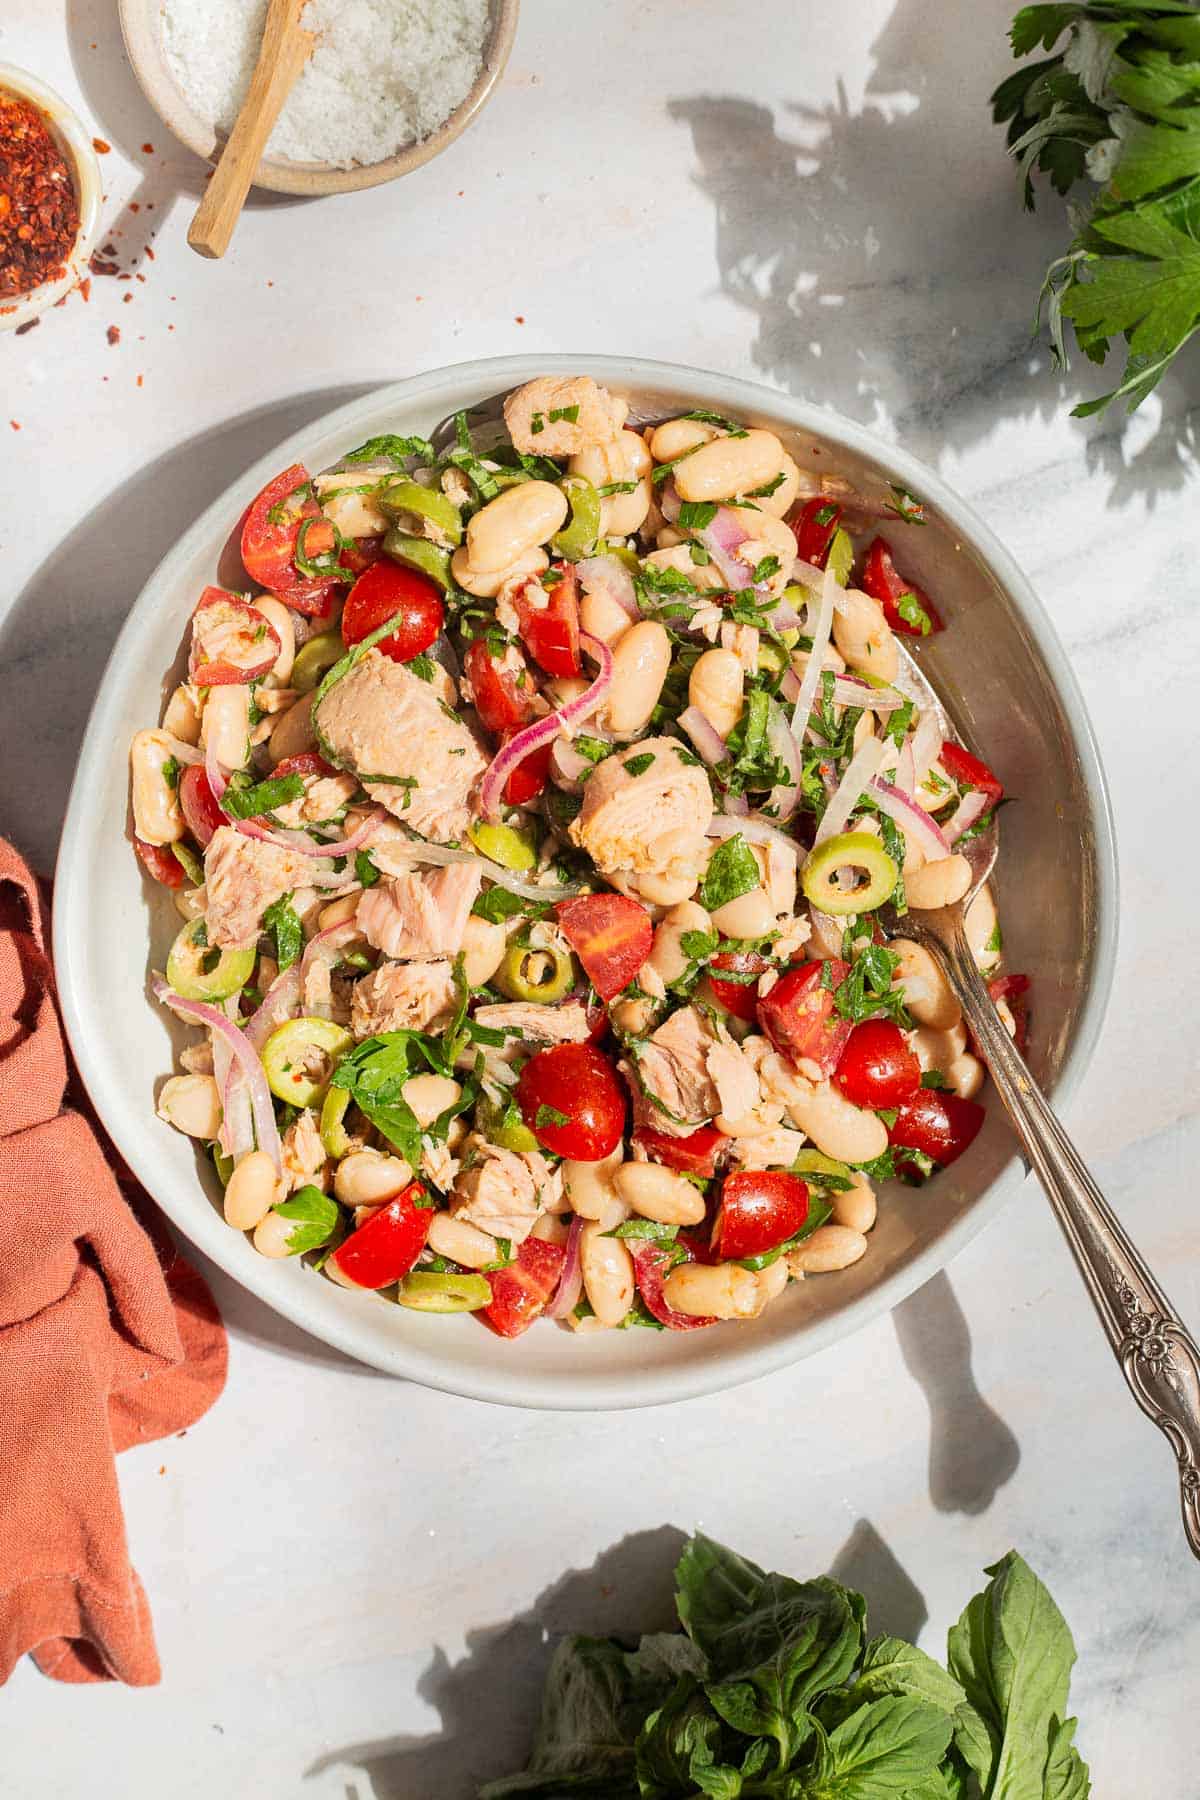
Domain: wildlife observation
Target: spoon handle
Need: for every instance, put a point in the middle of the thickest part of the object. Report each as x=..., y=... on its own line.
x=1158, y=1355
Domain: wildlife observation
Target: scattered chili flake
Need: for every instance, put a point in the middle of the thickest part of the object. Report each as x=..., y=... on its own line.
x=108, y=249
x=149, y=252
x=99, y=267
x=148, y=149
x=114, y=334
x=134, y=206
x=141, y=380
x=27, y=326
x=85, y=287
x=98, y=144
x=127, y=298
x=39, y=211
x=520, y=317
x=139, y=277
x=15, y=423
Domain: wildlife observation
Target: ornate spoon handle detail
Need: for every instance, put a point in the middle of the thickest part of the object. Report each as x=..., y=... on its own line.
x=1157, y=1353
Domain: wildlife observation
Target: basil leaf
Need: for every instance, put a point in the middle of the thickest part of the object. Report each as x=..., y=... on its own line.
x=644, y=1228
x=732, y=871
x=885, y=1748
x=585, y=1737
x=262, y=796
x=497, y=904
x=396, y=449
x=637, y=765
x=281, y=920
x=364, y=869
x=694, y=515
x=914, y=614
x=316, y=1216
x=549, y=1115
x=374, y=1073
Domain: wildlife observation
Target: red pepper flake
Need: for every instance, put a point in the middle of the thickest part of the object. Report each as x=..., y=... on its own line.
x=148, y=149
x=140, y=380
x=85, y=287
x=150, y=253
x=27, y=326
x=134, y=206
x=16, y=424
x=99, y=267
x=108, y=249
x=139, y=278
x=520, y=317
x=114, y=334
x=127, y=298
x=39, y=211
x=98, y=144
x=125, y=277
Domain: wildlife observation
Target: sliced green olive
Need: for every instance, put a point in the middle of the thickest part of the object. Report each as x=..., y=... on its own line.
x=425, y=1291
x=622, y=552
x=864, y=856
x=189, y=862
x=540, y=976
x=577, y=538
x=505, y=845
x=315, y=659
x=813, y=1164
x=297, y=1058
x=505, y=1127
x=405, y=500
x=200, y=972
x=222, y=1163
x=420, y=554
x=333, y=1129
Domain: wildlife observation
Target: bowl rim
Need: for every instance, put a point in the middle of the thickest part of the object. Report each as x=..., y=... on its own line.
x=744, y=1361
x=75, y=141
x=141, y=31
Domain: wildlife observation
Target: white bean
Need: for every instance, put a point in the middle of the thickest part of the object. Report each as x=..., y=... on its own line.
x=461, y=1241
x=640, y=664
x=182, y=717
x=225, y=724
x=927, y=994
x=190, y=902
x=252, y=1191
x=667, y=956
x=771, y=1281
x=625, y=458
x=677, y=435
x=715, y=688
x=856, y=1206
x=607, y=1273
x=634, y=1016
x=272, y=1235
x=938, y=883
x=589, y=1185
x=487, y=586
x=430, y=1095
x=938, y=1049
x=713, y=1290
x=749, y=916
x=338, y=912
x=864, y=637
x=603, y=617
x=981, y=925
x=841, y=1130
x=293, y=732
x=666, y=537
x=729, y=466
x=483, y=945
x=665, y=890
x=966, y=1075
x=769, y=537
x=277, y=614
x=156, y=815
x=192, y=1103
x=659, y=1194
x=780, y=503
x=831, y=1247
x=354, y=514
x=368, y=1178
x=515, y=522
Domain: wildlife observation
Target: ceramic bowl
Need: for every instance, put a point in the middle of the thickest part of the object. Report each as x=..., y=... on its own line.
x=141, y=23
x=1007, y=683
x=75, y=142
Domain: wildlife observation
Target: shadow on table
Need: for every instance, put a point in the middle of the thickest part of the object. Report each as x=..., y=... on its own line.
x=488, y=1703
x=972, y=1452
x=881, y=250
x=58, y=632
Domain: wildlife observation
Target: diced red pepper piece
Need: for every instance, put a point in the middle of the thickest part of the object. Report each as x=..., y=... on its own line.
x=522, y=1291
x=906, y=607
x=611, y=935
x=695, y=1154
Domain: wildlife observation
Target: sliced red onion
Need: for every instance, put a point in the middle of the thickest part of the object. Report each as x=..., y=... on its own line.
x=734, y=806
x=328, y=945
x=183, y=753
x=280, y=1003
x=244, y=1054
x=927, y=743
x=669, y=501
x=608, y=575
x=822, y=625
x=570, y=1282
x=849, y=690
x=904, y=778
x=915, y=820
x=214, y=771
x=236, y=1135
x=303, y=845
x=972, y=806
x=440, y=856
x=789, y=687
x=544, y=731
x=753, y=829
x=786, y=796
x=707, y=741
x=567, y=767
x=808, y=575
x=721, y=537
x=862, y=766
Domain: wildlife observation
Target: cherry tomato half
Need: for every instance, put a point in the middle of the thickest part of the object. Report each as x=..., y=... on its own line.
x=388, y=1245
x=695, y=1154
x=962, y=767
x=231, y=640
x=503, y=696
x=813, y=528
x=898, y=597
x=202, y=813
x=760, y=1209
x=530, y=776
x=940, y=1125
x=737, y=997
x=1015, y=990
x=799, y=1017
x=522, y=1291
x=572, y=1100
x=877, y=1067
x=652, y=1263
x=159, y=862
x=610, y=934
x=269, y=532
x=551, y=633
x=360, y=554
x=389, y=591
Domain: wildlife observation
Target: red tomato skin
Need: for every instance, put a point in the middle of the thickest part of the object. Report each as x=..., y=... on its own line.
x=651, y=1266
x=225, y=674
x=388, y=1245
x=878, y=1068
x=578, y=1080
x=737, y=997
x=502, y=706
x=883, y=581
x=1014, y=989
x=522, y=1291
x=940, y=1125
x=385, y=591
x=759, y=1211
x=812, y=537
x=610, y=934
x=530, y=776
x=551, y=633
x=799, y=1018
x=961, y=766
x=360, y=554
x=695, y=1154
x=307, y=762
x=158, y=861
x=269, y=546
x=201, y=810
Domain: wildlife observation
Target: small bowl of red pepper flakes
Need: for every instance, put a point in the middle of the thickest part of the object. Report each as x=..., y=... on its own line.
x=49, y=197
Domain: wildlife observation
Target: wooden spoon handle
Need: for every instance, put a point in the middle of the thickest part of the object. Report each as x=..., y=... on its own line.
x=285, y=50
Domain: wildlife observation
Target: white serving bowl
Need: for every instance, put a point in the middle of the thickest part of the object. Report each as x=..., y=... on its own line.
x=75, y=142
x=1007, y=682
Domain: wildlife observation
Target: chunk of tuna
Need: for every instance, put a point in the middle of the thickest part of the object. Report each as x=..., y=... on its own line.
x=688, y=1071
x=566, y=1024
x=409, y=996
x=242, y=877
x=496, y=1191
x=652, y=823
x=304, y=1159
x=587, y=414
x=420, y=915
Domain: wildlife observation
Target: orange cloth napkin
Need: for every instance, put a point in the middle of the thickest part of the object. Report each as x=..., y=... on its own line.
x=107, y=1338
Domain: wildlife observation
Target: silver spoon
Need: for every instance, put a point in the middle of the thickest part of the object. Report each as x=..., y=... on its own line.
x=1158, y=1355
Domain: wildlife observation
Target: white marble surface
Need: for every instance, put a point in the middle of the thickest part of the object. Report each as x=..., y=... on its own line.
x=353, y=1580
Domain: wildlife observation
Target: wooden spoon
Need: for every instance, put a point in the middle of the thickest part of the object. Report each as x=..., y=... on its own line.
x=286, y=47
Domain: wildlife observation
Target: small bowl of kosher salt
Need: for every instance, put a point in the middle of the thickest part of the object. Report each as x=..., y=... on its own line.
x=388, y=85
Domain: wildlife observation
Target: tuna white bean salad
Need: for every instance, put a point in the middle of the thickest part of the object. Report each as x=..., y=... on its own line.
x=527, y=807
